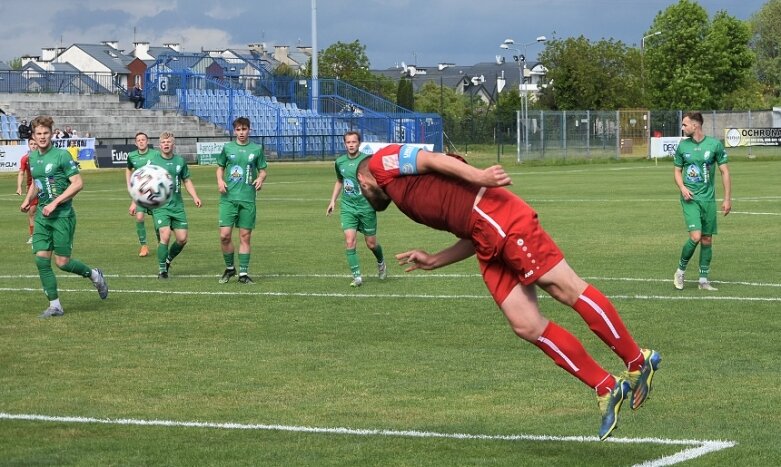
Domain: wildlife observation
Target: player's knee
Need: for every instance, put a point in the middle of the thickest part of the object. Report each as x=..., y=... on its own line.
x=696, y=237
x=528, y=331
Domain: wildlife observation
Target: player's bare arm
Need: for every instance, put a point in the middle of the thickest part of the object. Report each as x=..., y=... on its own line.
x=334, y=195
x=221, y=186
x=726, y=205
x=493, y=176
x=419, y=259
x=190, y=187
x=678, y=176
x=32, y=192
x=76, y=185
x=259, y=181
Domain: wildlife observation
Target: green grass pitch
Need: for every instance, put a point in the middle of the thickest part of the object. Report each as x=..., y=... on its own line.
x=300, y=369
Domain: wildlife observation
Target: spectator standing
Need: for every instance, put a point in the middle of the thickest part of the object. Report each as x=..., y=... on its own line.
x=25, y=132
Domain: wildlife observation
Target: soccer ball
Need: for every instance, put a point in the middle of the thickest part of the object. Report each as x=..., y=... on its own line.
x=151, y=186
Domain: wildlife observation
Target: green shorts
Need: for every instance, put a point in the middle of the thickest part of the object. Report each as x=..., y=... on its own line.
x=700, y=215
x=176, y=219
x=54, y=234
x=362, y=221
x=241, y=214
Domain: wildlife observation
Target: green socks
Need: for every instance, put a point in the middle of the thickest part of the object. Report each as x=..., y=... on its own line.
x=48, y=279
x=243, y=263
x=141, y=232
x=378, y=253
x=687, y=253
x=706, y=254
x=352, y=260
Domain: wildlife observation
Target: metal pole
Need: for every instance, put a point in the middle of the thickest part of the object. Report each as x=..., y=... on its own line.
x=518, y=136
x=315, y=70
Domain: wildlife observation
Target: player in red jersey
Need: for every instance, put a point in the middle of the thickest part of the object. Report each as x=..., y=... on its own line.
x=515, y=254
x=26, y=176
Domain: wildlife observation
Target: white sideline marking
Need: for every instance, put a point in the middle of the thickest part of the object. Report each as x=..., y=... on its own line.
x=234, y=293
x=757, y=213
x=400, y=276
x=699, y=447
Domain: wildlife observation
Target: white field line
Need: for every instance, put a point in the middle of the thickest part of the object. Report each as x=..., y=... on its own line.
x=698, y=448
x=235, y=293
x=416, y=276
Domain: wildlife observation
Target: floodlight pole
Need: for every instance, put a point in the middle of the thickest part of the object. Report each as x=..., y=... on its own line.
x=523, y=88
x=315, y=84
x=642, y=62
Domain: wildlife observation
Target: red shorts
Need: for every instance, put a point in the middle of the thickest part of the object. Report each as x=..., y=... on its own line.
x=34, y=201
x=511, y=245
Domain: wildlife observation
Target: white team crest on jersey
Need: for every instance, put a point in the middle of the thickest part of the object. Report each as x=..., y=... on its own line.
x=48, y=168
x=390, y=162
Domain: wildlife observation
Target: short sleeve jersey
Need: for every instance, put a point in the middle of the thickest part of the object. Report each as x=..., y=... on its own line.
x=176, y=166
x=136, y=160
x=346, y=168
x=431, y=199
x=51, y=174
x=698, y=163
x=24, y=166
x=242, y=164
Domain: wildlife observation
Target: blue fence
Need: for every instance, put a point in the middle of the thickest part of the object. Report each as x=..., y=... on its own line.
x=287, y=116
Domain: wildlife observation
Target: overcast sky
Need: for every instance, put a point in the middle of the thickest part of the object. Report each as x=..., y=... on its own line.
x=415, y=32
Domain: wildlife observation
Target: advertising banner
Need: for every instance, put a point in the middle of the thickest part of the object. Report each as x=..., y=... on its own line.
x=113, y=156
x=10, y=157
x=734, y=137
x=82, y=150
x=206, y=153
x=664, y=146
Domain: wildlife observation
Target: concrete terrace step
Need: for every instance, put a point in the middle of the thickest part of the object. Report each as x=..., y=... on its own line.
x=108, y=118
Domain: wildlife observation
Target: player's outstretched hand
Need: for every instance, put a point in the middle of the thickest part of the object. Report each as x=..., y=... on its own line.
x=495, y=176
x=415, y=259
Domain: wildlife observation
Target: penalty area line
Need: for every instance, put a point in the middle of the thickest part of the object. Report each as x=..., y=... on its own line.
x=697, y=448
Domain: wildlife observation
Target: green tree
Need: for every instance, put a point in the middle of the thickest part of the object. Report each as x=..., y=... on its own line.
x=696, y=64
x=15, y=63
x=433, y=98
x=766, y=42
x=507, y=104
x=345, y=61
x=405, y=96
x=586, y=75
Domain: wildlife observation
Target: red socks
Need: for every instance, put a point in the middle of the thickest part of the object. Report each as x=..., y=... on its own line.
x=603, y=319
x=568, y=353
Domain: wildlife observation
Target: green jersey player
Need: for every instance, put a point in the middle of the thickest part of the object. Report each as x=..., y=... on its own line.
x=695, y=161
x=135, y=160
x=56, y=180
x=241, y=170
x=171, y=216
x=356, y=214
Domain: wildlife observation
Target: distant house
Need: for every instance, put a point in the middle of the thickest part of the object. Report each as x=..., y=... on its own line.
x=485, y=80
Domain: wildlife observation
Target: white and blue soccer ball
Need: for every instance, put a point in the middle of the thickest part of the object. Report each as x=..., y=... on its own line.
x=151, y=186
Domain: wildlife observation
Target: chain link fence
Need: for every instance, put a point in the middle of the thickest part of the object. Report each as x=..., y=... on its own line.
x=596, y=134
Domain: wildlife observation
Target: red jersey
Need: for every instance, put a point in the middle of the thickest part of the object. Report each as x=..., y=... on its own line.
x=435, y=200
x=509, y=241
x=24, y=165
